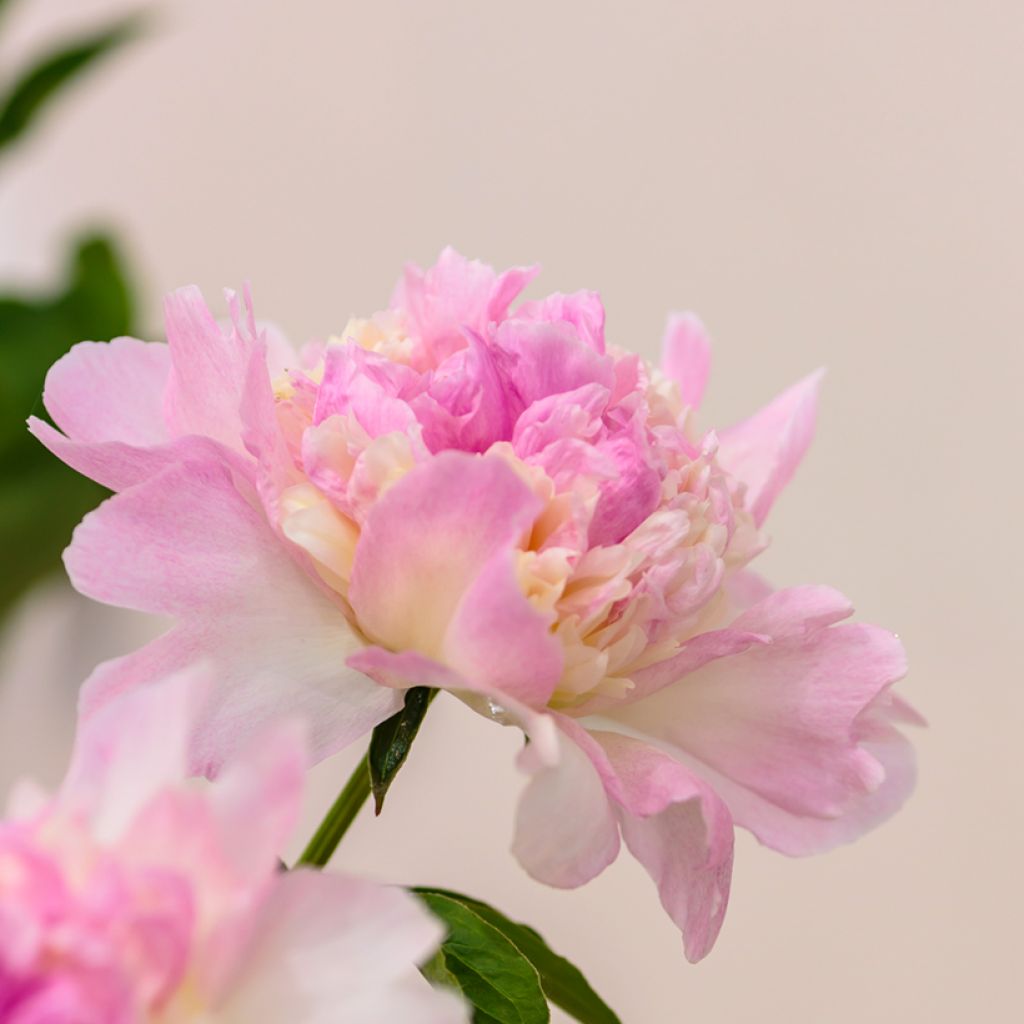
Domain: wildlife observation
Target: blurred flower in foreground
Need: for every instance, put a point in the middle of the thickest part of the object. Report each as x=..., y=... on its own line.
x=133, y=897
x=493, y=502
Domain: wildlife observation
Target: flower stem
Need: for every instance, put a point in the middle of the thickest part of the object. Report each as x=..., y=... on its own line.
x=335, y=824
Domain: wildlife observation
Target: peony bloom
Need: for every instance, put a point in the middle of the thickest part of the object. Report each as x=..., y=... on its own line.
x=132, y=898
x=461, y=494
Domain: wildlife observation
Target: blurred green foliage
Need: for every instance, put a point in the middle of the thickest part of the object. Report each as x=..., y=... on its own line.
x=35, y=87
x=40, y=498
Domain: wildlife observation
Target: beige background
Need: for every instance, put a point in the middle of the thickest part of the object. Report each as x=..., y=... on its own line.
x=824, y=182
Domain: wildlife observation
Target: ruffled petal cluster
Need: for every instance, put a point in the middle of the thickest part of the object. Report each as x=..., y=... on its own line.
x=134, y=898
x=479, y=493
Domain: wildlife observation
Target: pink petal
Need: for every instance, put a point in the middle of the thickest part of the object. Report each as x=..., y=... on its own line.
x=327, y=947
x=681, y=832
x=764, y=451
x=566, y=829
x=499, y=639
x=184, y=541
x=541, y=359
x=257, y=799
x=686, y=356
x=572, y=415
x=629, y=497
x=583, y=310
x=209, y=367
x=187, y=543
x=455, y=293
x=132, y=748
x=358, y=381
x=118, y=466
x=110, y=391
x=694, y=654
x=775, y=727
x=800, y=835
x=465, y=406
x=433, y=572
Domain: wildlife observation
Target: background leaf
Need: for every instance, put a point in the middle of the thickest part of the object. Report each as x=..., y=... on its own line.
x=562, y=983
x=41, y=499
x=32, y=92
x=498, y=981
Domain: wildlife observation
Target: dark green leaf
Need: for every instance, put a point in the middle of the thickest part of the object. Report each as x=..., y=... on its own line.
x=392, y=741
x=497, y=980
x=563, y=983
x=31, y=93
x=41, y=499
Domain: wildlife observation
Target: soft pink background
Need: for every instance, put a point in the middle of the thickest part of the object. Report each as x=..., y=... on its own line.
x=825, y=183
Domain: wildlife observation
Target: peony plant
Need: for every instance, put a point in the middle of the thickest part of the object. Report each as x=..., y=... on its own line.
x=469, y=494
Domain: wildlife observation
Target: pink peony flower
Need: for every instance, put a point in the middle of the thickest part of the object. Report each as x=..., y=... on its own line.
x=132, y=897
x=459, y=494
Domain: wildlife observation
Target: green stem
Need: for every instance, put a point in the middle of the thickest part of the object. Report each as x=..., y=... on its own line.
x=339, y=817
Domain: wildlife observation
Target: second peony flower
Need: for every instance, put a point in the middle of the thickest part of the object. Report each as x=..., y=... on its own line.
x=490, y=499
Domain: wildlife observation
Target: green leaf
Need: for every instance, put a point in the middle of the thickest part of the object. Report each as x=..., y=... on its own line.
x=392, y=741
x=499, y=982
x=42, y=82
x=41, y=499
x=562, y=983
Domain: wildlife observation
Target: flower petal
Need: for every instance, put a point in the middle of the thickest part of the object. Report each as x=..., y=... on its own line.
x=499, y=639
x=428, y=551
x=453, y=294
x=539, y=359
x=118, y=466
x=187, y=543
x=681, y=832
x=783, y=721
x=133, y=748
x=566, y=830
x=326, y=947
x=584, y=310
x=686, y=356
x=257, y=799
x=764, y=451
x=110, y=391
x=208, y=372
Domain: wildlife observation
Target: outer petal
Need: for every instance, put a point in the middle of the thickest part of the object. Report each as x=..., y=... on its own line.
x=778, y=727
x=118, y=465
x=686, y=356
x=675, y=825
x=681, y=832
x=110, y=391
x=799, y=835
x=257, y=799
x=433, y=573
x=188, y=544
x=765, y=450
x=566, y=829
x=209, y=366
x=328, y=948
x=133, y=748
